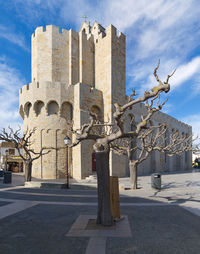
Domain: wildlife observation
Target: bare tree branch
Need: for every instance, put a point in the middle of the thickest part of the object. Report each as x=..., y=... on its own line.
x=107, y=138
x=85, y=132
x=23, y=143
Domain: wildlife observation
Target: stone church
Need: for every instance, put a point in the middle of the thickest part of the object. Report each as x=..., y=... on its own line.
x=73, y=72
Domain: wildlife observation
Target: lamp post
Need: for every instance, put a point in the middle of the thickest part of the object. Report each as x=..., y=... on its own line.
x=67, y=142
x=6, y=166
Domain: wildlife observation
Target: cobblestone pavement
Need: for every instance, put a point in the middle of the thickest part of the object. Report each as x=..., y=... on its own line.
x=58, y=221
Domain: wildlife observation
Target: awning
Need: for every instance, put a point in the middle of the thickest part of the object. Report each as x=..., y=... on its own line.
x=14, y=159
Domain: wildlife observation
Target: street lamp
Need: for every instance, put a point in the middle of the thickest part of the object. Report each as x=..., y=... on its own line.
x=6, y=166
x=67, y=142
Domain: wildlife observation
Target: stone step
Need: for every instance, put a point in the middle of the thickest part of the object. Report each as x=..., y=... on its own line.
x=91, y=177
x=45, y=185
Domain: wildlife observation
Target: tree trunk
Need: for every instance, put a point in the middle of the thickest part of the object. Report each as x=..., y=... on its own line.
x=104, y=216
x=28, y=171
x=133, y=174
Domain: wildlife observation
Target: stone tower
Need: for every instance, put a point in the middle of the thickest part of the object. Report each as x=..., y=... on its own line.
x=71, y=73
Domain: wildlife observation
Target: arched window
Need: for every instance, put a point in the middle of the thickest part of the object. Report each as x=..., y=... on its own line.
x=38, y=107
x=27, y=108
x=52, y=108
x=67, y=111
x=95, y=109
x=21, y=112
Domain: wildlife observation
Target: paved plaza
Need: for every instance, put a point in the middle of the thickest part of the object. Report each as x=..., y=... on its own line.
x=54, y=221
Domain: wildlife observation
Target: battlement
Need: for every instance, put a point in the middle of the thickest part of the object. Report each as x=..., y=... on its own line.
x=58, y=91
x=112, y=31
x=50, y=54
x=34, y=86
x=49, y=29
x=99, y=32
x=46, y=91
x=70, y=57
x=54, y=96
x=174, y=121
x=141, y=108
x=96, y=30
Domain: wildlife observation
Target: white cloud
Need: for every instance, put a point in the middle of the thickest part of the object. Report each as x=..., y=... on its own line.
x=195, y=87
x=194, y=121
x=186, y=72
x=167, y=108
x=12, y=37
x=189, y=71
x=163, y=29
x=73, y=12
x=126, y=13
x=10, y=82
x=143, y=73
x=55, y=11
x=183, y=73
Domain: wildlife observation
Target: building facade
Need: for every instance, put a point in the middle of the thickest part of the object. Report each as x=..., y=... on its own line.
x=9, y=158
x=72, y=73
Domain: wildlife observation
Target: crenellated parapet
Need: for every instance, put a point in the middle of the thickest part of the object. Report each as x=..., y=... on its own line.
x=53, y=97
x=50, y=30
x=46, y=91
x=112, y=33
x=161, y=117
x=38, y=93
x=70, y=57
x=98, y=32
x=50, y=54
x=173, y=123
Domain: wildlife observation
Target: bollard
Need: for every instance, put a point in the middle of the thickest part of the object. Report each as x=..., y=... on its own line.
x=114, y=197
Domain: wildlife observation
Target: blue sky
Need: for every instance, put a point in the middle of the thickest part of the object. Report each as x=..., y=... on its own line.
x=168, y=29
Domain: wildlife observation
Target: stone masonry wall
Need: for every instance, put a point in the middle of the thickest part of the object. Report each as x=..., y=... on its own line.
x=159, y=162
x=73, y=72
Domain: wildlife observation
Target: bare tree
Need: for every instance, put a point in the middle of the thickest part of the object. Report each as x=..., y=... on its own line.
x=23, y=143
x=103, y=142
x=196, y=147
x=153, y=138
